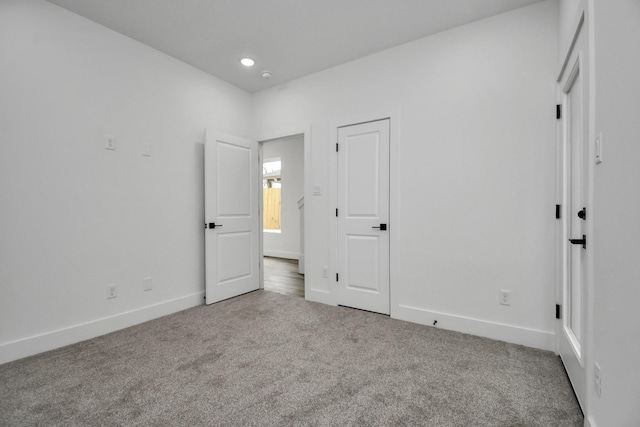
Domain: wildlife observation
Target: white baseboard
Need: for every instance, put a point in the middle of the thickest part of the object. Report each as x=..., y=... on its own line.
x=323, y=297
x=498, y=331
x=281, y=254
x=59, y=338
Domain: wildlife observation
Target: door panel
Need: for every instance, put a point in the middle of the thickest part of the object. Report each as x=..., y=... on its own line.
x=571, y=328
x=233, y=167
x=363, y=205
x=232, y=260
x=362, y=184
x=574, y=287
x=231, y=215
x=360, y=251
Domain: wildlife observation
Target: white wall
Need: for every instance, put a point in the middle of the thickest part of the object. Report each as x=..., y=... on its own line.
x=567, y=10
x=75, y=217
x=475, y=175
x=286, y=244
x=616, y=318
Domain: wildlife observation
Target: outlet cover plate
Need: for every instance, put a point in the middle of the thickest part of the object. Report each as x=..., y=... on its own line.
x=597, y=379
x=504, y=297
x=110, y=142
x=112, y=291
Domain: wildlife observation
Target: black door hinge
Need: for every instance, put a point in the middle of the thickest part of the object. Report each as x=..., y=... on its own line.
x=336, y=212
x=336, y=277
x=558, y=311
x=558, y=111
x=558, y=211
x=336, y=147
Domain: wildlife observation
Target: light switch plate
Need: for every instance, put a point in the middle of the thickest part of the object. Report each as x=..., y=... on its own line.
x=110, y=142
x=146, y=150
x=112, y=291
x=599, y=148
x=504, y=297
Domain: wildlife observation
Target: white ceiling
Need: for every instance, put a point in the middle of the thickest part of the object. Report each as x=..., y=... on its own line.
x=290, y=38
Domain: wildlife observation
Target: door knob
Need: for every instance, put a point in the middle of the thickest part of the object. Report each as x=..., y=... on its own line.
x=582, y=241
x=382, y=227
x=212, y=225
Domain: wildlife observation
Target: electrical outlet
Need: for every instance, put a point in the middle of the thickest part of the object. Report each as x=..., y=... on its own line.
x=597, y=379
x=147, y=284
x=112, y=291
x=110, y=142
x=325, y=272
x=504, y=297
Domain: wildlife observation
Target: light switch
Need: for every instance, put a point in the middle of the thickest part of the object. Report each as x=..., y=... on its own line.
x=146, y=150
x=110, y=142
x=599, y=148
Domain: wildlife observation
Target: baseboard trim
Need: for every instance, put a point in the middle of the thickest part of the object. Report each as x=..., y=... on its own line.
x=498, y=331
x=281, y=254
x=315, y=295
x=70, y=335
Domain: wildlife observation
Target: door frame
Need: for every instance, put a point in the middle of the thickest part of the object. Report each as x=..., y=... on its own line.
x=305, y=131
x=395, y=227
x=582, y=22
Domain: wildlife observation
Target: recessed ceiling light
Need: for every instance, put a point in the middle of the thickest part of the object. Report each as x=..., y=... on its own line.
x=266, y=74
x=247, y=62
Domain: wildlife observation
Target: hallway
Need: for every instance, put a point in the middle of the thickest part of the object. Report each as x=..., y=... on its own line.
x=281, y=276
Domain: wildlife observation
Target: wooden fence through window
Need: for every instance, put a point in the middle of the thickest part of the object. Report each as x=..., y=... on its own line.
x=272, y=208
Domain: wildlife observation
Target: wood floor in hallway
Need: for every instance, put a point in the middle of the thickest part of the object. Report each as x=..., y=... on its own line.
x=281, y=276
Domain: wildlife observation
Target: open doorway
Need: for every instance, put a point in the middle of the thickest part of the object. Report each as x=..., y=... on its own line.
x=283, y=215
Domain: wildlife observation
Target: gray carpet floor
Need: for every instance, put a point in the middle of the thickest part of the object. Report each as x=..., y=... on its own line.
x=265, y=359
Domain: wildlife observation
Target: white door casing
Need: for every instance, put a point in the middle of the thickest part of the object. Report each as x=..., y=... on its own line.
x=574, y=239
x=363, y=216
x=231, y=217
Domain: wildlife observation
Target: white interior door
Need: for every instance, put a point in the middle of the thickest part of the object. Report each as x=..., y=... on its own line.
x=363, y=216
x=231, y=217
x=575, y=242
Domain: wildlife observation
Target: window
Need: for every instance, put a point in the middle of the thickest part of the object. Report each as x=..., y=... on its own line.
x=272, y=195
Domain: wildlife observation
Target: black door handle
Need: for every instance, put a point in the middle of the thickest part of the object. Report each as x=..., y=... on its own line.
x=213, y=225
x=382, y=227
x=582, y=241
